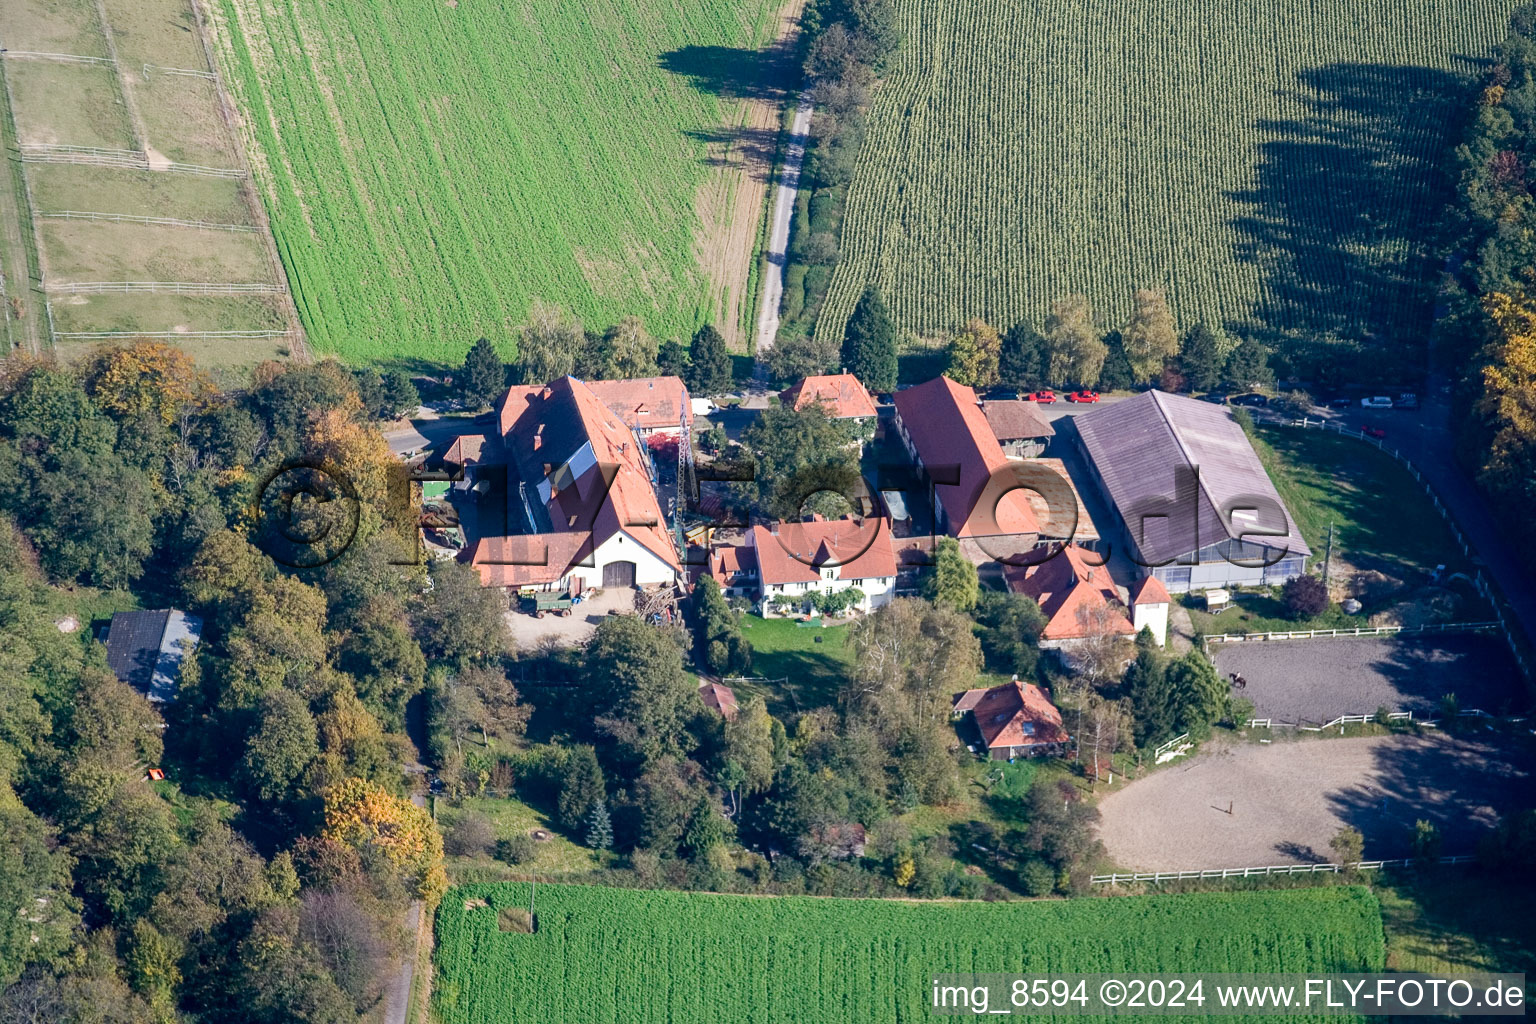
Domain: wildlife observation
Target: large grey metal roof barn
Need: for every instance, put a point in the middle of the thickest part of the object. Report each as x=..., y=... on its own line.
x=1190, y=493
x=145, y=649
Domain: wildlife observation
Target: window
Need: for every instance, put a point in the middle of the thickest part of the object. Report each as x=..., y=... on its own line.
x=831, y=574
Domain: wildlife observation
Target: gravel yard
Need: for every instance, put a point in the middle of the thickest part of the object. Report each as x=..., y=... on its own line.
x=573, y=629
x=1318, y=680
x=1289, y=798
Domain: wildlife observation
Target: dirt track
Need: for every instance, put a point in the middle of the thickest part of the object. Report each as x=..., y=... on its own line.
x=1289, y=798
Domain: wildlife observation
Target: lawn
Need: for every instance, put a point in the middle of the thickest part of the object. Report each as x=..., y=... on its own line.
x=556, y=855
x=638, y=956
x=804, y=665
x=432, y=168
x=1383, y=519
x=1458, y=921
x=1277, y=167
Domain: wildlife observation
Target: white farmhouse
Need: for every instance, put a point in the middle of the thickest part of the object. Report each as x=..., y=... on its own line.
x=796, y=560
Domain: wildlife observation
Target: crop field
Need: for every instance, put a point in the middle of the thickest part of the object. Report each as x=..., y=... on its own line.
x=105, y=230
x=431, y=168
x=1275, y=165
x=607, y=955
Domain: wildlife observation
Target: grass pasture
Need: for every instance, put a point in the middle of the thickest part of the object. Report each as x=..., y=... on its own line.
x=782, y=650
x=57, y=187
x=52, y=26
x=68, y=105
x=85, y=250
x=1276, y=166
x=685, y=958
x=440, y=165
x=181, y=114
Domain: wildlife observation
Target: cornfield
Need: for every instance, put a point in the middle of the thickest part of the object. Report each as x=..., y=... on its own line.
x=432, y=166
x=621, y=955
x=1277, y=166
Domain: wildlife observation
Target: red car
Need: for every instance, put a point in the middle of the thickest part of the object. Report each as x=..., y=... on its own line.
x=1375, y=432
x=1043, y=397
x=1083, y=396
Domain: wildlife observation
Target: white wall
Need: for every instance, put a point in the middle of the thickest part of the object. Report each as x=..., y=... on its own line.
x=1154, y=616
x=877, y=589
x=621, y=547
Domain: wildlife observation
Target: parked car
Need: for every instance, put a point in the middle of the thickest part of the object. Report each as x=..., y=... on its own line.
x=1219, y=397
x=1253, y=399
x=1376, y=432
x=1341, y=402
x=1376, y=402
x=1043, y=397
x=1083, y=396
x=1002, y=395
x=1407, y=400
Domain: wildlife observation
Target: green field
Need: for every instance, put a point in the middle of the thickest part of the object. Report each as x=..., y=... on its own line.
x=432, y=167
x=1273, y=164
x=802, y=673
x=636, y=956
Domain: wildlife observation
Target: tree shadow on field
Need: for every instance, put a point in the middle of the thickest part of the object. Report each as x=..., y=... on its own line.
x=1462, y=784
x=731, y=72
x=1345, y=216
x=751, y=149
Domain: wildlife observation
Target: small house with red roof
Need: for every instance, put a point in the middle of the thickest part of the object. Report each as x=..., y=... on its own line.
x=980, y=497
x=1015, y=720
x=1149, y=608
x=734, y=567
x=1077, y=595
x=842, y=395
x=647, y=405
x=719, y=698
x=797, y=559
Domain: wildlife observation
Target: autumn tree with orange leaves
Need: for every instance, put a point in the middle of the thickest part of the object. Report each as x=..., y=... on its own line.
x=363, y=814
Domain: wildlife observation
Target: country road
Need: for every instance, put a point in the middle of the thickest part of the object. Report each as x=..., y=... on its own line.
x=778, y=232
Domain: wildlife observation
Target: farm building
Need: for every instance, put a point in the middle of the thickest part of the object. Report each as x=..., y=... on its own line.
x=1014, y=720
x=560, y=495
x=146, y=649
x=977, y=497
x=1193, y=501
x=1078, y=597
x=796, y=560
x=734, y=567
x=1020, y=427
x=841, y=394
x=647, y=405
x=719, y=698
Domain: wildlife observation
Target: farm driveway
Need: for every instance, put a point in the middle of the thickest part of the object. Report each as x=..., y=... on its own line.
x=1319, y=680
x=1288, y=799
x=573, y=629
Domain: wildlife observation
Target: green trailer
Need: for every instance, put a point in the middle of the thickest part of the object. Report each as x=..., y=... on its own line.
x=539, y=602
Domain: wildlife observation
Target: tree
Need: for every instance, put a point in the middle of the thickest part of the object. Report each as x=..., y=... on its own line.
x=725, y=649
x=1023, y=357
x=599, y=827
x=147, y=378
x=1076, y=350
x=1150, y=337
x=909, y=658
x=749, y=747
x=459, y=620
x=709, y=368
x=629, y=349
x=1199, y=696
x=548, y=343
x=363, y=814
x=1202, y=357
x=1426, y=841
x=398, y=395
x=974, y=355
x=1248, y=366
x=1009, y=631
x=797, y=356
x=706, y=829
x=38, y=913
x=642, y=697
x=349, y=942
x=581, y=788
x=1103, y=649
x=1348, y=846
x=953, y=582
x=1116, y=375
x=869, y=343
x=1304, y=596
x=282, y=744
x=483, y=376
x=470, y=835
x=802, y=462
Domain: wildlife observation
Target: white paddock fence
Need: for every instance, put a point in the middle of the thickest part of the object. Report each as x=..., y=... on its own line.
x=1268, y=870
x=163, y=287
x=1392, y=716
x=130, y=218
x=1318, y=634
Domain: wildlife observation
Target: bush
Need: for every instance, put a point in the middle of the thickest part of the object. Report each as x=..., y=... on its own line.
x=516, y=849
x=470, y=835
x=1304, y=596
x=1037, y=878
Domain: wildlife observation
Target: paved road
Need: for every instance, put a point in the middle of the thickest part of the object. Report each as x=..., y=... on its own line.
x=778, y=234
x=425, y=430
x=397, y=1000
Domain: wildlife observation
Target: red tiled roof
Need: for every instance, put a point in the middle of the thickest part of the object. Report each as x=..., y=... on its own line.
x=721, y=698
x=725, y=563
x=1013, y=420
x=1151, y=591
x=1014, y=715
x=949, y=431
x=466, y=450
x=859, y=548
x=530, y=560
x=842, y=393
x=1069, y=589
x=651, y=403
